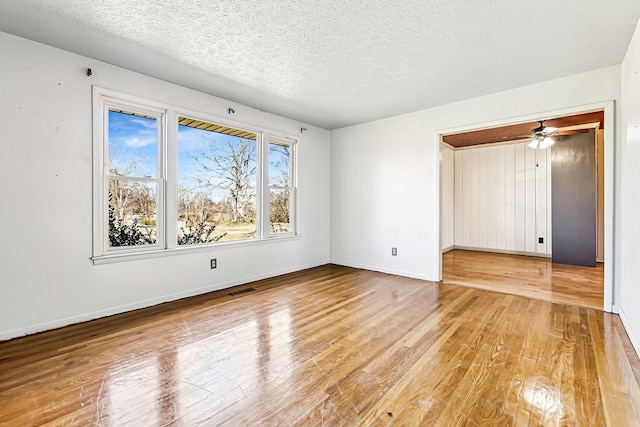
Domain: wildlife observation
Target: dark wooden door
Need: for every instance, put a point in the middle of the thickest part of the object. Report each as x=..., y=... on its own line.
x=573, y=200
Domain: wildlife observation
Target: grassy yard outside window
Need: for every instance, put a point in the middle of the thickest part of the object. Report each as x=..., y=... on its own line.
x=165, y=180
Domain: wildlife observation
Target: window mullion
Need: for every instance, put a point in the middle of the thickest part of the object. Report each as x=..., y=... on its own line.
x=171, y=180
x=293, y=222
x=263, y=202
x=293, y=190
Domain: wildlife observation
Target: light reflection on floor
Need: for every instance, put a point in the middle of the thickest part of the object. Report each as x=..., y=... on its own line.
x=209, y=372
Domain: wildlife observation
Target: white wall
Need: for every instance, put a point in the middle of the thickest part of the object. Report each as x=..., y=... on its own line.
x=447, y=181
x=630, y=244
x=47, y=277
x=384, y=174
x=502, y=200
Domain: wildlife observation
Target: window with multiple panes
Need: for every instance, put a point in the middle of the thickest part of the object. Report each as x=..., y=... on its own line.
x=165, y=180
x=133, y=177
x=281, y=190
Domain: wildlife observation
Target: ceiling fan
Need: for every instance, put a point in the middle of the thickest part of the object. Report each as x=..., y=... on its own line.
x=541, y=137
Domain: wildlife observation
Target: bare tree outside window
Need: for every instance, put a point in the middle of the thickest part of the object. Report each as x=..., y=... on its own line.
x=132, y=166
x=230, y=166
x=161, y=183
x=217, y=176
x=280, y=187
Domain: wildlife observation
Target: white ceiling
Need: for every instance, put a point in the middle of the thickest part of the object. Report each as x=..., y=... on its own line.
x=336, y=63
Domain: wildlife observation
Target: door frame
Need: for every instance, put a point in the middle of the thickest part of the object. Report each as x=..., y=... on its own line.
x=609, y=179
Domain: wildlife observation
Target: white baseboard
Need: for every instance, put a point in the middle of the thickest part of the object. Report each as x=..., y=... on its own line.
x=84, y=317
x=502, y=251
x=395, y=272
x=627, y=326
x=12, y=333
x=448, y=248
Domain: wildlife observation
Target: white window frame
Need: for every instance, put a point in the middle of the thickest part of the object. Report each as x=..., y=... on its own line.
x=167, y=178
x=103, y=103
x=292, y=187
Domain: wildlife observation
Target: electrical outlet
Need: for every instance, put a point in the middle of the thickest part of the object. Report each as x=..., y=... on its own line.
x=394, y=251
x=214, y=263
x=540, y=239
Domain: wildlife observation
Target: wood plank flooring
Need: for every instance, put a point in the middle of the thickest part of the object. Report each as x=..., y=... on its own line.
x=527, y=276
x=328, y=346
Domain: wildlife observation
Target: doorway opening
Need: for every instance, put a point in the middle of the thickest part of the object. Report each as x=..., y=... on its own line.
x=496, y=208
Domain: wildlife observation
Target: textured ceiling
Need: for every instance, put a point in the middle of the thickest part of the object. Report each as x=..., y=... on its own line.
x=335, y=63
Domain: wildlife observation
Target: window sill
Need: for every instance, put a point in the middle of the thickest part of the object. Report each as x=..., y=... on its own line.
x=115, y=258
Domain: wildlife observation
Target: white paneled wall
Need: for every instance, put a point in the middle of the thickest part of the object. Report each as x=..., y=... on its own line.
x=502, y=199
x=447, y=195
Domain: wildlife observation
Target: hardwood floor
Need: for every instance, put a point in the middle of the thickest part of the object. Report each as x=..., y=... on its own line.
x=328, y=346
x=527, y=276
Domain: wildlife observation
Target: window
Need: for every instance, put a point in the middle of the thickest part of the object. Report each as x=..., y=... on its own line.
x=217, y=183
x=133, y=179
x=166, y=181
x=281, y=190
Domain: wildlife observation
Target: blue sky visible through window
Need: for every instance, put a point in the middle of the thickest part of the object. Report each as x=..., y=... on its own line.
x=279, y=164
x=192, y=143
x=133, y=150
x=132, y=145
x=217, y=177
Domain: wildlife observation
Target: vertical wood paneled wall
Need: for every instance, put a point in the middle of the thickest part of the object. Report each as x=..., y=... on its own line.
x=447, y=197
x=502, y=199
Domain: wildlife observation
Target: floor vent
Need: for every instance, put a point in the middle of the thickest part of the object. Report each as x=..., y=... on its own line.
x=241, y=292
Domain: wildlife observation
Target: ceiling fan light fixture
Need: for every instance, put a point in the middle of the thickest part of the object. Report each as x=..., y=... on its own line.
x=546, y=142
x=541, y=136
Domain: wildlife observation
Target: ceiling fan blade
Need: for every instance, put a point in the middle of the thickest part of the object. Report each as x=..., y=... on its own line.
x=572, y=132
